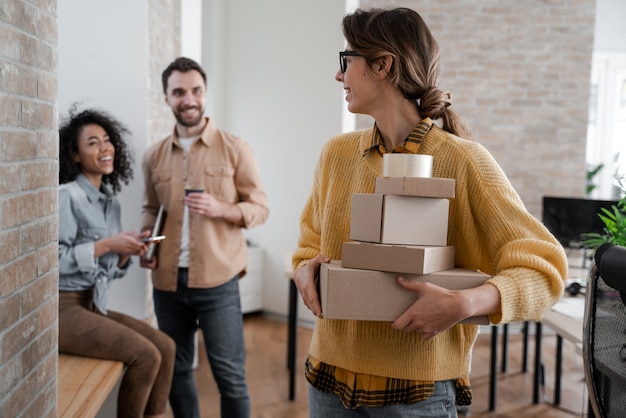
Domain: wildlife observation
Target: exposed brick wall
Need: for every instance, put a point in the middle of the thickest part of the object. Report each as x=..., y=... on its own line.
x=165, y=45
x=28, y=208
x=519, y=76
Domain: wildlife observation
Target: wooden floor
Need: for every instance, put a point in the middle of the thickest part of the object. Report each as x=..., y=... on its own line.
x=268, y=378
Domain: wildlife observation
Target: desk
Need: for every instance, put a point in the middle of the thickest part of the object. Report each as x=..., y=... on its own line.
x=565, y=326
x=292, y=327
x=493, y=365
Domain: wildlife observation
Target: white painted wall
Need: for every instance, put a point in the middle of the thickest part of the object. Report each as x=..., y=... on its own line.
x=191, y=29
x=271, y=67
x=610, y=31
x=103, y=63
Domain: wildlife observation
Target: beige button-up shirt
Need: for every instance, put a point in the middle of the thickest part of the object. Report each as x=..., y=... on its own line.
x=225, y=166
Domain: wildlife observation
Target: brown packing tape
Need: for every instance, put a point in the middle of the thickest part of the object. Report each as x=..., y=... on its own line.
x=407, y=165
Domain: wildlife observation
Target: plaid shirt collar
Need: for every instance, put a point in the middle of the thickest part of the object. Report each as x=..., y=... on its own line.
x=410, y=145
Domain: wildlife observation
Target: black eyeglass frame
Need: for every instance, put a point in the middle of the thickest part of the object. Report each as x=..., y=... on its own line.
x=343, y=65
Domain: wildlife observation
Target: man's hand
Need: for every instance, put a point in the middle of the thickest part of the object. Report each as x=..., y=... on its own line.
x=152, y=264
x=304, y=278
x=206, y=205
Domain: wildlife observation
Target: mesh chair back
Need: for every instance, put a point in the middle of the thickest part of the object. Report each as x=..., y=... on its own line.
x=604, y=347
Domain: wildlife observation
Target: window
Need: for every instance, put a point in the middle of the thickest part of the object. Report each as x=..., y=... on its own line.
x=606, y=126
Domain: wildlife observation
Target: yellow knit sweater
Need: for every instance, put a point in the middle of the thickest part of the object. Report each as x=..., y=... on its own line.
x=488, y=225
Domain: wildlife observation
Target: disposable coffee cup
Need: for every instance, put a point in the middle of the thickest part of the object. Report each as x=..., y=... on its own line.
x=193, y=190
x=407, y=165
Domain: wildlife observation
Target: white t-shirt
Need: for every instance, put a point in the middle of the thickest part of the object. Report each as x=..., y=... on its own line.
x=183, y=258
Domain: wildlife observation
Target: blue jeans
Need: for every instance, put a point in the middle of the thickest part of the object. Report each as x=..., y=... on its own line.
x=217, y=312
x=441, y=404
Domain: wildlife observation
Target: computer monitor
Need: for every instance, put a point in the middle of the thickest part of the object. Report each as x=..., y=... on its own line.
x=567, y=217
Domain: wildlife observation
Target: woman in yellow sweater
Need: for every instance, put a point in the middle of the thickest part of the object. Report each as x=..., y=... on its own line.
x=419, y=364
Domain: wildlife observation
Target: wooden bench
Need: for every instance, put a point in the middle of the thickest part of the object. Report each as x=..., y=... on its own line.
x=84, y=384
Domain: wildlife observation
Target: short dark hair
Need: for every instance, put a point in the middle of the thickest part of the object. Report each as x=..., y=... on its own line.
x=69, y=131
x=183, y=65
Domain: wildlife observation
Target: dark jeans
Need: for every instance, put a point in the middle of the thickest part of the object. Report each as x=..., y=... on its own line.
x=217, y=312
x=147, y=353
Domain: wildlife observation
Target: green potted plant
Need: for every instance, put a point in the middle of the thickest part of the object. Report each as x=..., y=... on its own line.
x=614, y=221
x=592, y=171
x=614, y=226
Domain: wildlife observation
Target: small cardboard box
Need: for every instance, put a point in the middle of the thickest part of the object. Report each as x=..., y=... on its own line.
x=415, y=186
x=371, y=295
x=411, y=259
x=405, y=220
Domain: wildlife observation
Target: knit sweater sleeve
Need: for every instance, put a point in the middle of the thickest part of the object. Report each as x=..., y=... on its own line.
x=493, y=232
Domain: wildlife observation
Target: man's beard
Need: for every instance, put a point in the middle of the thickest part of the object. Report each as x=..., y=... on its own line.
x=188, y=124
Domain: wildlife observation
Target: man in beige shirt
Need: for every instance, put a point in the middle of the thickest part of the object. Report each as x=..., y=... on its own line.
x=196, y=270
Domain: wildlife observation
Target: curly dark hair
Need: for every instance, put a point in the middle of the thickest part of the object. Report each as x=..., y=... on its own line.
x=69, y=131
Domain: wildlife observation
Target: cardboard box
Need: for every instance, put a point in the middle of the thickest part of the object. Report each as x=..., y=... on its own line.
x=404, y=220
x=411, y=259
x=371, y=295
x=415, y=186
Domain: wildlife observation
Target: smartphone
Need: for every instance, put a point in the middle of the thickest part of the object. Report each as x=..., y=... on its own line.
x=158, y=238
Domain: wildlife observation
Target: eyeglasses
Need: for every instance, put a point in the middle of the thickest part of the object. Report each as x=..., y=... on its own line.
x=343, y=64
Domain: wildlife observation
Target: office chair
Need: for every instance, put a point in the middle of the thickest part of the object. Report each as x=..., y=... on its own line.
x=604, y=337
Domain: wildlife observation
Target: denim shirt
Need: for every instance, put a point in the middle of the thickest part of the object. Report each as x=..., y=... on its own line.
x=87, y=215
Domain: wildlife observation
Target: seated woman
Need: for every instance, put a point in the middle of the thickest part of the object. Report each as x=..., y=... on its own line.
x=94, y=160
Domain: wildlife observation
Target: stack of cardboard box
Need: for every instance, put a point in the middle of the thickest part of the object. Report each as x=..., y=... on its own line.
x=400, y=229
